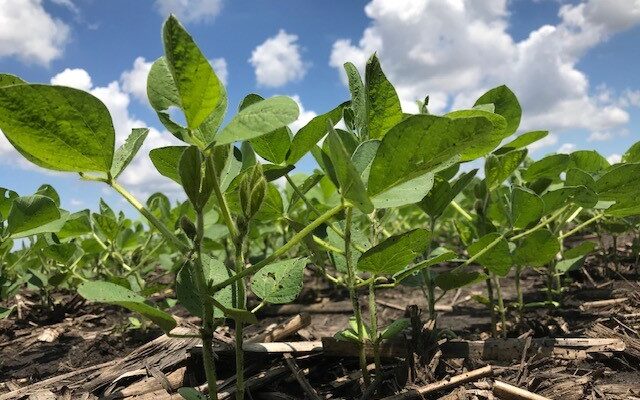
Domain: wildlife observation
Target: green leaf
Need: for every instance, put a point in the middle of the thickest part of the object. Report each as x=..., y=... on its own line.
x=252, y=190
x=351, y=186
x=272, y=207
x=395, y=328
x=633, y=154
x=498, y=258
x=456, y=279
x=279, y=282
x=394, y=253
x=214, y=271
x=48, y=191
x=580, y=195
x=409, y=192
x=77, y=224
x=125, y=153
x=506, y=104
x=190, y=169
x=274, y=145
x=309, y=135
x=358, y=98
x=421, y=143
x=537, y=249
x=259, y=119
x=363, y=156
x=526, y=208
x=110, y=293
x=107, y=225
x=383, y=105
x=588, y=161
x=57, y=127
x=439, y=255
x=200, y=90
x=64, y=253
x=31, y=214
x=6, y=199
x=580, y=250
x=547, y=167
x=166, y=161
x=620, y=184
x=522, y=141
x=497, y=133
x=576, y=177
x=498, y=168
x=443, y=193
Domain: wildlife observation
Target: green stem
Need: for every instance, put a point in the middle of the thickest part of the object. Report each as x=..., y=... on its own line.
x=297, y=238
x=183, y=247
x=582, y=225
x=540, y=225
x=492, y=303
x=373, y=320
x=501, y=309
x=206, y=332
x=354, y=299
x=222, y=203
x=519, y=290
x=241, y=304
x=462, y=212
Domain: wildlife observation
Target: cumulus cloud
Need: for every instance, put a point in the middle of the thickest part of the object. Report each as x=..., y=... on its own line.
x=277, y=61
x=190, y=10
x=304, y=117
x=73, y=77
x=459, y=49
x=614, y=158
x=566, y=148
x=134, y=81
x=29, y=33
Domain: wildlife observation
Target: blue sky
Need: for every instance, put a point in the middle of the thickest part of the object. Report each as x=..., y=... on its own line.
x=572, y=64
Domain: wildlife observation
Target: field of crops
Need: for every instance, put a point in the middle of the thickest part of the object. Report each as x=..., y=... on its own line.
x=392, y=271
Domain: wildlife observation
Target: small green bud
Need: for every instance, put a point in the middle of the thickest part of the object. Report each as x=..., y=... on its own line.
x=188, y=227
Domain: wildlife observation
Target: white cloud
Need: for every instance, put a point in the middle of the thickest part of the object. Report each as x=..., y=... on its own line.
x=69, y=5
x=277, y=61
x=546, y=141
x=304, y=117
x=29, y=33
x=134, y=81
x=190, y=10
x=460, y=48
x=219, y=66
x=614, y=158
x=73, y=77
x=566, y=148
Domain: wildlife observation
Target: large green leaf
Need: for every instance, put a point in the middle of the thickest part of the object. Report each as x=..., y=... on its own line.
x=394, y=253
x=421, y=143
x=580, y=195
x=307, y=137
x=526, y=207
x=110, y=293
x=57, y=127
x=588, y=161
x=383, y=104
x=6, y=199
x=547, y=167
x=537, y=249
x=496, y=259
x=166, y=161
x=351, y=186
x=622, y=185
x=258, y=119
x=31, y=214
x=506, y=104
x=409, y=192
x=280, y=282
x=456, y=279
x=200, y=90
x=438, y=255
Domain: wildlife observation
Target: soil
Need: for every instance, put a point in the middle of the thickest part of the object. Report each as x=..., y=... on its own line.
x=45, y=341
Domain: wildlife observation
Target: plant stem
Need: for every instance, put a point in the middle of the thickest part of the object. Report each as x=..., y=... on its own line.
x=354, y=298
x=297, y=238
x=241, y=304
x=492, y=308
x=461, y=210
x=373, y=321
x=501, y=309
x=519, y=290
x=206, y=332
x=222, y=203
x=183, y=247
x=428, y=278
x=582, y=225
